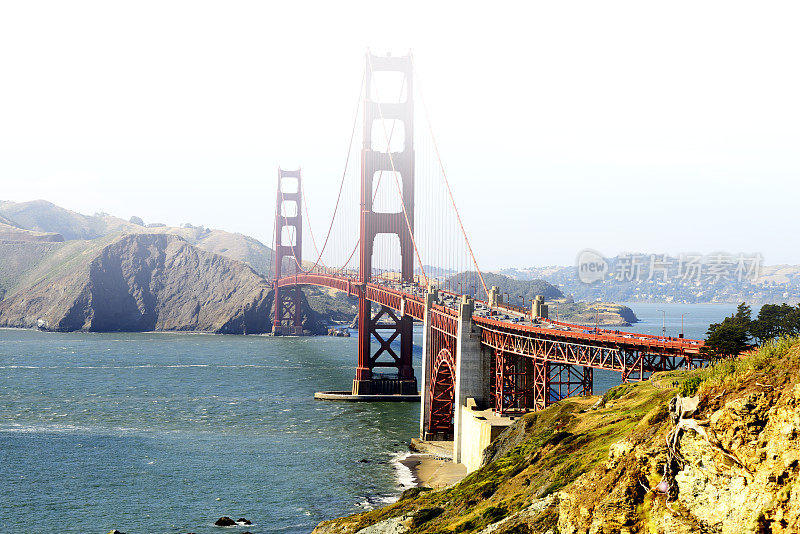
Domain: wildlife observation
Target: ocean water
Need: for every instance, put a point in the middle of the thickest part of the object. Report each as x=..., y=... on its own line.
x=164, y=433
x=696, y=319
x=150, y=433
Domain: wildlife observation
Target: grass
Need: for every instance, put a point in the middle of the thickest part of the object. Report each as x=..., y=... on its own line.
x=16, y=259
x=690, y=386
x=617, y=392
x=772, y=361
x=560, y=443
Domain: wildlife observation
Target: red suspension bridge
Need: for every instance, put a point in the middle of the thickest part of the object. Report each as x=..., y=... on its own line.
x=475, y=345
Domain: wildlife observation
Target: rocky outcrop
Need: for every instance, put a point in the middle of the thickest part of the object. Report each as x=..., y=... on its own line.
x=659, y=457
x=729, y=463
x=338, y=332
x=225, y=521
x=144, y=282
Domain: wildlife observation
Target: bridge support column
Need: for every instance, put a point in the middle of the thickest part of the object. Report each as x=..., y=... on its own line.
x=472, y=378
x=385, y=327
x=495, y=297
x=512, y=383
x=288, y=311
x=377, y=159
x=287, y=307
x=556, y=381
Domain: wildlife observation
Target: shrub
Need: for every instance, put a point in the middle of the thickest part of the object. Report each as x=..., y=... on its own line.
x=493, y=514
x=690, y=386
x=424, y=515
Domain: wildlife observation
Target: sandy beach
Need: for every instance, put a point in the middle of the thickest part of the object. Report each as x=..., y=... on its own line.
x=431, y=464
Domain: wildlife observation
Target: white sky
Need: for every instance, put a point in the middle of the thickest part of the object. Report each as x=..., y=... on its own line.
x=621, y=126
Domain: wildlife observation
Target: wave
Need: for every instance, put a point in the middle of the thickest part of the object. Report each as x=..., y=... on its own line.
x=403, y=473
x=376, y=501
x=159, y=366
x=70, y=429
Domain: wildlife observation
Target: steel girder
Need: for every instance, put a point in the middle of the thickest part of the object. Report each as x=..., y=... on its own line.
x=633, y=364
x=442, y=394
x=442, y=352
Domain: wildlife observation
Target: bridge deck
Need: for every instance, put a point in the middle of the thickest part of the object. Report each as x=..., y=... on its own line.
x=568, y=343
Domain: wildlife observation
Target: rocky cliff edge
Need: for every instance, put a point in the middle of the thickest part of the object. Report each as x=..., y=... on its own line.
x=714, y=450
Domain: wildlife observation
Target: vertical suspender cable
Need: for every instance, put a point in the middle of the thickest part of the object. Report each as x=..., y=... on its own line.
x=449, y=191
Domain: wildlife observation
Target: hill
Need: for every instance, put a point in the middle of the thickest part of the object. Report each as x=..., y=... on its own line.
x=640, y=459
x=10, y=232
x=514, y=287
x=40, y=216
x=32, y=252
x=43, y=216
x=143, y=282
x=711, y=283
x=562, y=307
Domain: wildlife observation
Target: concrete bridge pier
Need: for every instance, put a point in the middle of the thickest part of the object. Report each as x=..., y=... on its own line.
x=474, y=423
x=472, y=380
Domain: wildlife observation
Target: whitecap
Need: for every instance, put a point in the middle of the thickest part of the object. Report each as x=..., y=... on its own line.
x=405, y=477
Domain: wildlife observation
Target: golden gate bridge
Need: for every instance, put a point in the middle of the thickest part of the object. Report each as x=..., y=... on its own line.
x=401, y=249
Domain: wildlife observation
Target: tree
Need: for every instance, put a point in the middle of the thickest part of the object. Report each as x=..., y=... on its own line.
x=731, y=336
x=728, y=338
x=776, y=321
x=743, y=314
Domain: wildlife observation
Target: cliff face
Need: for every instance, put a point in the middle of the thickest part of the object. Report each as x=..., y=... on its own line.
x=727, y=462
x=645, y=458
x=145, y=282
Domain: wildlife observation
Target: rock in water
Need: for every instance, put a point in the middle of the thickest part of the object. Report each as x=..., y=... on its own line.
x=225, y=521
x=243, y=521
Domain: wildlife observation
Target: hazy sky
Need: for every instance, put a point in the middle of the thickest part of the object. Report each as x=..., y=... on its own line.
x=620, y=126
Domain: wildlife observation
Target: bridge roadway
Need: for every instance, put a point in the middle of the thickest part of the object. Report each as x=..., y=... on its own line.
x=499, y=358
x=512, y=329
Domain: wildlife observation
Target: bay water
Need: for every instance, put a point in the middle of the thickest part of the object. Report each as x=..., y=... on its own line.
x=164, y=433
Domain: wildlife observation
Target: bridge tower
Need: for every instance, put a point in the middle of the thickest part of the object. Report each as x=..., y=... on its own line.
x=386, y=326
x=288, y=244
